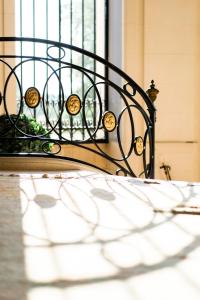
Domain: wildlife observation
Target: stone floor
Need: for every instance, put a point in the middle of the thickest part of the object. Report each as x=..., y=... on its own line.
x=80, y=235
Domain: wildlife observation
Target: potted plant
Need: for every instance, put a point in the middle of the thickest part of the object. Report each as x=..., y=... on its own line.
x=27, y=125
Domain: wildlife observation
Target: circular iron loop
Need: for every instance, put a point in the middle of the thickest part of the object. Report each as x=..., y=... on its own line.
x=61, y=52
x=45, y=144
x=118, y=171
x=128, y=91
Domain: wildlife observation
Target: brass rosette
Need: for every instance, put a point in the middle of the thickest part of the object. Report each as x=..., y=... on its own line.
x=32, y=97
x=109, y=121
x=73, y=104
x=139, y=145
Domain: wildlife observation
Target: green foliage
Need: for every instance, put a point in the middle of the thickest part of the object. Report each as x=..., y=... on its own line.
x=27, y=125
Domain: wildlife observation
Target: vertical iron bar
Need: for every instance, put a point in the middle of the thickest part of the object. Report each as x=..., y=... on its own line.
x=59, y=100
x=94, y=29
x=59, y=19
x=21, y=51
x=47, y=74
x=71, y=74
x=83, y=39
x=106, y=56
x=94, y=64
x=106, y=29
x=33, y=5
x=152, y=158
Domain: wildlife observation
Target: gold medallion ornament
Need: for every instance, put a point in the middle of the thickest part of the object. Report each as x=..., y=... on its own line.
x=109, y=121
x=73, y=104
x=32, y=97
x=139, y=145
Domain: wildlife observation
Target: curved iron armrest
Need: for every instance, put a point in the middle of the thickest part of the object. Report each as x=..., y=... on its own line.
x=115, y=121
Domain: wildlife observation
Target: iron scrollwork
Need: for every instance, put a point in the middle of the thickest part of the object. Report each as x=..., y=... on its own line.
x=58, y=113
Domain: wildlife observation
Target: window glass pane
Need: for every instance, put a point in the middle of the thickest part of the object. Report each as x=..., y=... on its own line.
x=77, y=22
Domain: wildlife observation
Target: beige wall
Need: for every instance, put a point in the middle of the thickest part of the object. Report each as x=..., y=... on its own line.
x=133, y=22
x=7, y=23
x=162, y=42
x=133, y=59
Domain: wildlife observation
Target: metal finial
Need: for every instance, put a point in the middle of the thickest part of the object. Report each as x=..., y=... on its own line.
x=152, y=92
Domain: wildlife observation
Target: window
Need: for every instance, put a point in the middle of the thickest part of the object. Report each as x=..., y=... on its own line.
x=78, y=22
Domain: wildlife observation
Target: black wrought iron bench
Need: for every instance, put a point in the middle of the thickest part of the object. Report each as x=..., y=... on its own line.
x=59, y=101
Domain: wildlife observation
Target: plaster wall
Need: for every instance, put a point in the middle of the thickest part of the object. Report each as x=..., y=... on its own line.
x=162, y=42
x=133, y=59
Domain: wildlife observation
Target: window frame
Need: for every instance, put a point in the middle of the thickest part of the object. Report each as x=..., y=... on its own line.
x=9, y=9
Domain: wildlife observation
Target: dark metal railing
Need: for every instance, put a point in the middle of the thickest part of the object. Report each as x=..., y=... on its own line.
x=130, y=104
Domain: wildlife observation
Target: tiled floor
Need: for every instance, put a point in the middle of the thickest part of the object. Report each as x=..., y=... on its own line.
x=78, y=235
